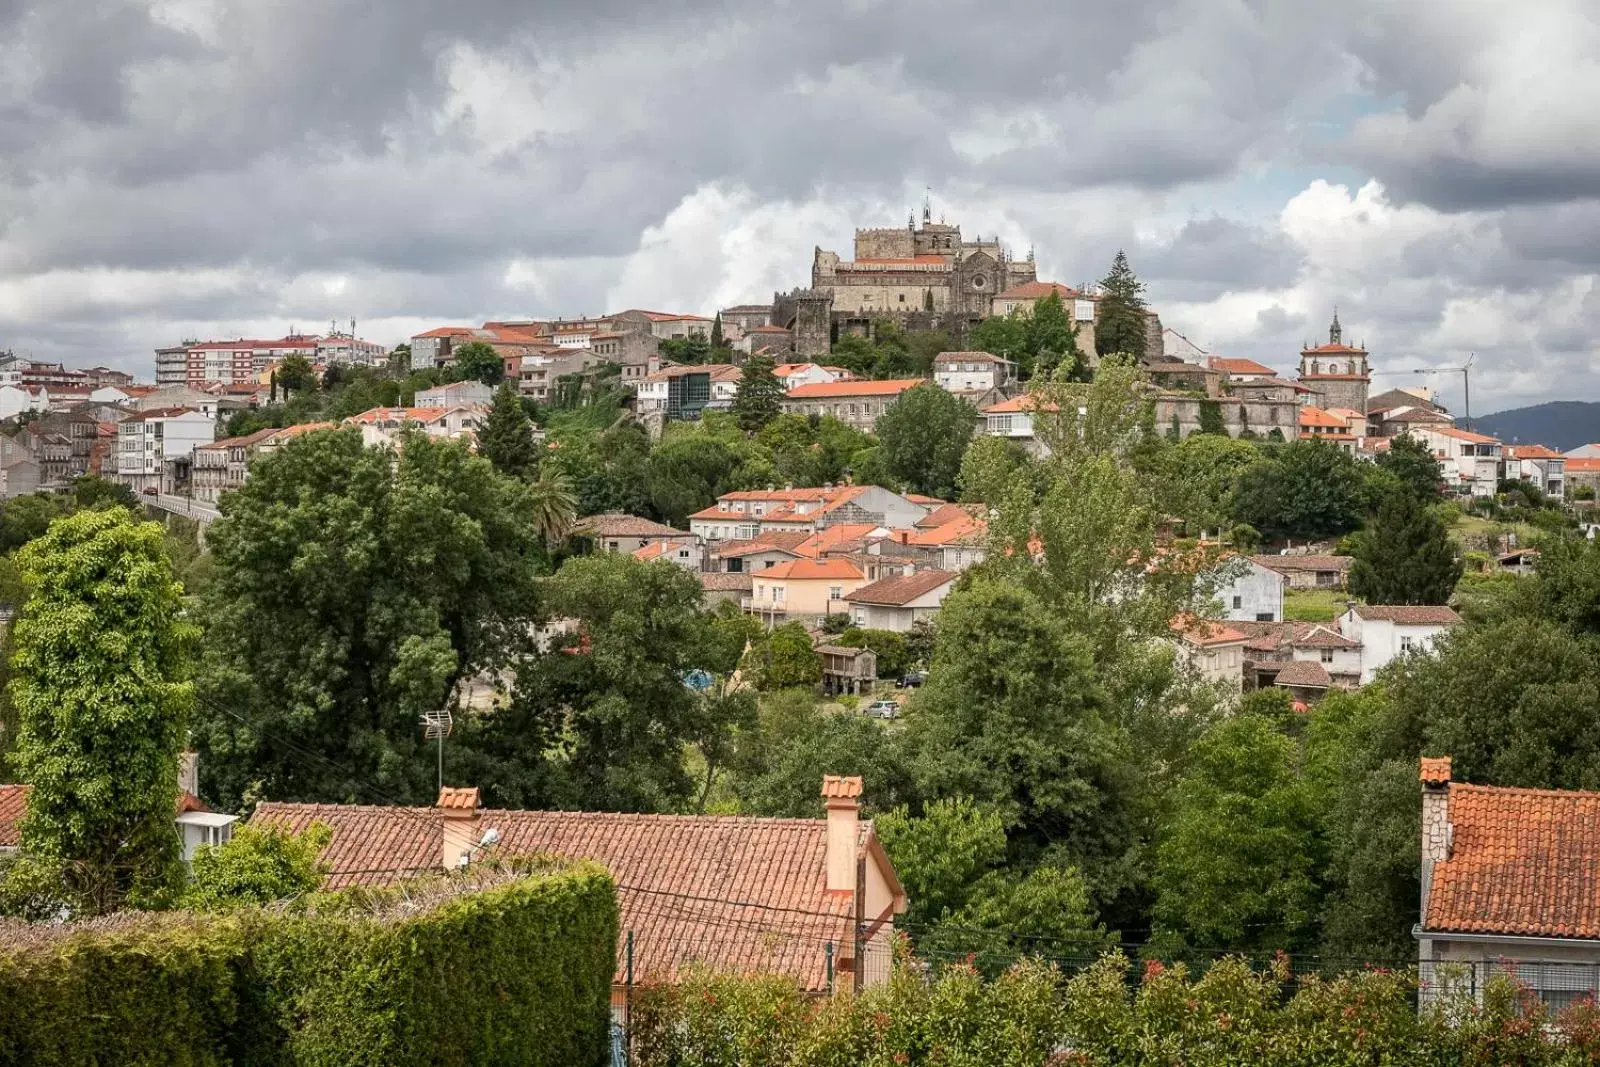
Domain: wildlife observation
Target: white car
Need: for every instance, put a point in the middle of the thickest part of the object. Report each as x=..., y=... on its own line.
x=883, y=709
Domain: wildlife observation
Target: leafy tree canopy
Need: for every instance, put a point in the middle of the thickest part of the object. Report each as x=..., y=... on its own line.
x=477, y=361
x=923, y=435
x=1406, y=557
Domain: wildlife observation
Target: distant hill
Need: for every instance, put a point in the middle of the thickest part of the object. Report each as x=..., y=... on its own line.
x=1563, y=425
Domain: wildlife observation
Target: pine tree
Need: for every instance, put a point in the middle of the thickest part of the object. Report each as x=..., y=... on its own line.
x=507, y=439
x=760, y=396
x=1120, y=319
x=716, y=332
x=1406, y=557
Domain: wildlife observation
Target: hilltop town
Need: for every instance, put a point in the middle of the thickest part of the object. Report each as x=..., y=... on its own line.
x=932, y=611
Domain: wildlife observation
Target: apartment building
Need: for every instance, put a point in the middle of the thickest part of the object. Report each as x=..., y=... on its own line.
x=151, y=440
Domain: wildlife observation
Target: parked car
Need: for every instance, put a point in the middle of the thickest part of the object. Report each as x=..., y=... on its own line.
x=883, y=709
x=150, y=490
x=914, y=680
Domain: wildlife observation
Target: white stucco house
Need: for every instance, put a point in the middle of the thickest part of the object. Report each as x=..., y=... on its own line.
x=1249, y=592
x=1388, y=631
x=899, y=603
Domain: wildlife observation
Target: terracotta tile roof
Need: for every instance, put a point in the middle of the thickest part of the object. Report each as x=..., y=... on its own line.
x=776, y=541
x=967, y=357
x=1532, y=452
x=243, y=442
x=1021, y=403
x=1321, y=637
x=1334, y=349
x=830, y=390
x=897, y=592
x=452, y=799
x=963, y=530
x=1240, y=366
x=813, y=570
x=303, y=428
x=1305, y=563
x=1311, y=416
x=830, y=538
x=1205, y=632
x=1522, y=862
x=376, y=415
x=13, y=803
x=731, y=892
x=724, y=582
x=1038, y=291
x=160, y=413
x=1304, y=673
x=1434, y=771
x=1464, y=435
x=836, y=787
x=947, y=513
x=616, y=524
x=1408, y=614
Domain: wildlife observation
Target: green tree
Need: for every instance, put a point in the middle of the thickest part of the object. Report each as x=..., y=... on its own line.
x=24, y=518
x=1406, y=557
x=1052, y=339
x=923, y=435
x=760, y=396
x=991, y=467
x=1120, y=323
x=1235, y=864
x=1306, y=489
x=780, y=774
x=941, y=853
x=1013, y=716
x=92, y=491
x=716, y=332
x=1196, y=479
x=257, y=865
x=1410, y=461
x=791, y=660
x=507, y=439
x=889, y=648
x=477, y=361
x=352, y=588
x=102, y=656
x=296, y=374
x=1006, y=336
x=687, y=472
x=601, y=719
x=552, y=507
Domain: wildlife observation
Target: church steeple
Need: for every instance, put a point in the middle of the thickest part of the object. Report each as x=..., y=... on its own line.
x=1335, y=332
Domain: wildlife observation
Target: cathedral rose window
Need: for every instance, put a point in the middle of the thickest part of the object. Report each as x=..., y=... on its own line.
x=978, y=281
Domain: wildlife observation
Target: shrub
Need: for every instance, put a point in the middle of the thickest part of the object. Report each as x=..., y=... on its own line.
x=489, y=968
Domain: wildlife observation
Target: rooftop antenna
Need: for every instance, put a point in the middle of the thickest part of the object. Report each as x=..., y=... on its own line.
x=436, y=726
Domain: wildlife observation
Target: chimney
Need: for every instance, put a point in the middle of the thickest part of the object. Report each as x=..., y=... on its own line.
x=459, y=807
x=1436, y=829
x=842, y=797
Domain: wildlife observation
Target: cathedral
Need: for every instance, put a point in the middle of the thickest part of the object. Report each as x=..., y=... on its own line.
x=925, y=277
x=1336, y=373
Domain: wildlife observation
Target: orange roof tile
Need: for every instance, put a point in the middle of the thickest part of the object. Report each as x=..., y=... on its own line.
x=1435, y=771
x=964, y=528
x=813, y=570
x=728, y=892
x=831, y=537
x=839, y=787
x=1304, y=673
x=828, y=390
x=1522, y=862
x=1463, y=435
x=1204, y=632
x=1038, y=291
x=13, y=803
x=1240, y=366
x=1024, y=402
x=451, y=799
x=899, y=591
x=1532, y=452
x=1583, y=464
x=1326, y=350
x=1408, y=614
x=1311, y=416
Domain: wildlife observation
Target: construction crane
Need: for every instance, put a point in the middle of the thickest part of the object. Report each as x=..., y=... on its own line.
x=1465, y=370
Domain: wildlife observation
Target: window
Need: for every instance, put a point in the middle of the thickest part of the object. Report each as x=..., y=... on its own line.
x=777, y=594
x=683, y=553
x=1405, y=644
x=902, y=298
x=1238, y=602
x=1327, y=655
x=612, y=545
x=835, y=592
x=1265, y=616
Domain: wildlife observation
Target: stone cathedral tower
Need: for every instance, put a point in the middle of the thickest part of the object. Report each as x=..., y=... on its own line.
x=1336, y=373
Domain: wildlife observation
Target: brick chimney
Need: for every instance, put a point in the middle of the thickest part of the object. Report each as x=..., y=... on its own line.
x=459, y=807
x=1436, y=829
x=842, y=798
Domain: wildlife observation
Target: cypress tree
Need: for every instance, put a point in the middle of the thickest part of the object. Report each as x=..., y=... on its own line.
x=1405, y=557
x=1120, y=319
x=507, y=439
x=760, y=396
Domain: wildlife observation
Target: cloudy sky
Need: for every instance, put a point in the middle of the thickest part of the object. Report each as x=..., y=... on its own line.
x=174, y=168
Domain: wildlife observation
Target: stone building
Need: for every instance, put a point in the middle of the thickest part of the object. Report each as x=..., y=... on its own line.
x=924, y=277
x=1336, y=373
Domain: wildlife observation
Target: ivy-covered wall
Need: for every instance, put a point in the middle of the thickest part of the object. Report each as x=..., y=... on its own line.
x=492, y=970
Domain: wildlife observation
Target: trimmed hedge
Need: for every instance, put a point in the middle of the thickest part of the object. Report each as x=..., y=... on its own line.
x=1033, y=1016
x=486, y=969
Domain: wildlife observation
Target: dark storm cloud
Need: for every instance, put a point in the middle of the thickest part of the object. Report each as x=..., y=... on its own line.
x=177, y=165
